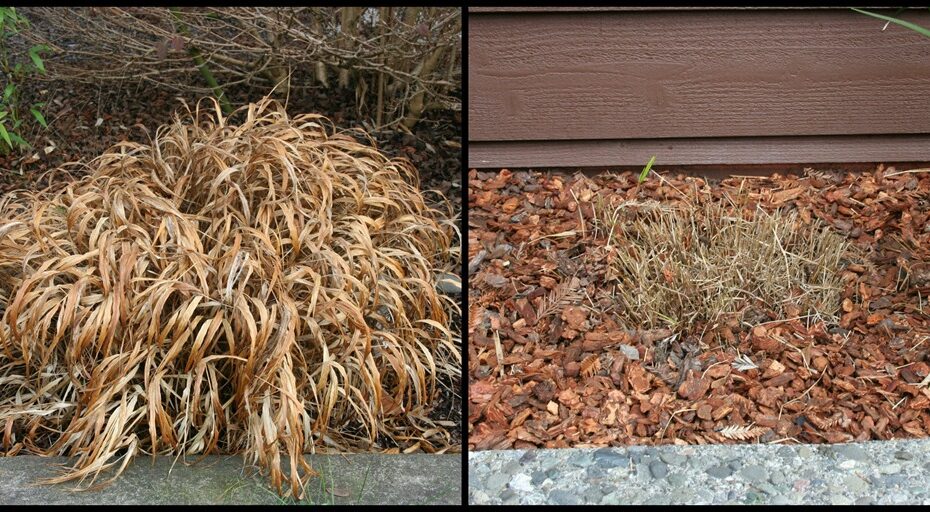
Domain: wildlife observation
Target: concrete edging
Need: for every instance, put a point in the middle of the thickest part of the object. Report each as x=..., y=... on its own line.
x=874, y=472
x=409, y=479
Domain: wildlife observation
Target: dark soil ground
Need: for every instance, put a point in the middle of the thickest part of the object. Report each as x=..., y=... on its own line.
x=548, y=372
x=86, y=119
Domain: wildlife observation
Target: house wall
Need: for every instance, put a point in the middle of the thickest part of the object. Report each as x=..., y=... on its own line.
x=551, y=87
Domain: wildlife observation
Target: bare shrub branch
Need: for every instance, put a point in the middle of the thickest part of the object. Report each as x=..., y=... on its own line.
x=414, y=50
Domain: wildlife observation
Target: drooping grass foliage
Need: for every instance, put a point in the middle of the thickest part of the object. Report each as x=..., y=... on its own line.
x=678, y=266
x=263, y=288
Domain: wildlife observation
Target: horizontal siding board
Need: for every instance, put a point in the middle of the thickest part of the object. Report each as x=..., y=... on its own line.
x=706, y=151
x=668, y=74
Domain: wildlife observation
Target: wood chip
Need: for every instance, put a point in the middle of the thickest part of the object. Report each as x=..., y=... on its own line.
x=553, y=408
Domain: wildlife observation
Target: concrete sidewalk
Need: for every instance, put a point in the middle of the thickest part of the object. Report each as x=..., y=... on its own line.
x=412, y=479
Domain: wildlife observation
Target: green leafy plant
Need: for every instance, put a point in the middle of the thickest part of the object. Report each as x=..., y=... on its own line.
x=16, y=72
x=897, y=21
x=645, y=173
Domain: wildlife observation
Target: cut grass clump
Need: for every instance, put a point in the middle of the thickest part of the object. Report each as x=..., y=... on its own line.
x=677, y=267
x=264, y=288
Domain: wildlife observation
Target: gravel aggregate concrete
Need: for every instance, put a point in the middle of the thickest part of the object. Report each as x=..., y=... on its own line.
x=875, y=472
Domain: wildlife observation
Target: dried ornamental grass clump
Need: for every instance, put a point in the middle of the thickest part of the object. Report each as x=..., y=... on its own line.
x=680, y=266
x=263, y=288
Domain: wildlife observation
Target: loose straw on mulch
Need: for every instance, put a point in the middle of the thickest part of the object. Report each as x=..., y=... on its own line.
x=265, y=288
x=678, y=266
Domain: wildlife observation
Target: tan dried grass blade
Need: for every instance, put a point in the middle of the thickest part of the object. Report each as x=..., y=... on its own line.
x=264, y=288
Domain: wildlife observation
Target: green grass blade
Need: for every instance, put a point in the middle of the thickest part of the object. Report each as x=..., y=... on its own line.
x=5, y=135
x=36, y=59
x=39, y=117
x=645, y=173
x=897, y=21
x=19, y=140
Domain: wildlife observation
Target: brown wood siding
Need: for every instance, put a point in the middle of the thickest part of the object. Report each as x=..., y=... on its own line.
x=715, y=86
x=700, y=151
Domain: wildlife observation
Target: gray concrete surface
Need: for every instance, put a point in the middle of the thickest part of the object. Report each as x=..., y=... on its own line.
x=411, y=479
x=870, y=473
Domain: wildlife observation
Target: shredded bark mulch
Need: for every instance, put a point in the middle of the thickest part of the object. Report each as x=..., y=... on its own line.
x=550, y=366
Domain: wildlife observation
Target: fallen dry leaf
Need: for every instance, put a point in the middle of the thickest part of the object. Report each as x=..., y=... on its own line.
x=342, y=492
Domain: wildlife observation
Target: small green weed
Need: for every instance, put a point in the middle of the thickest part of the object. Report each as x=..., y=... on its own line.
x=16, y=72
x=645, y=173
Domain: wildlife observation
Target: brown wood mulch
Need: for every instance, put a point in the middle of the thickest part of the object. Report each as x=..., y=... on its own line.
x=550, y=374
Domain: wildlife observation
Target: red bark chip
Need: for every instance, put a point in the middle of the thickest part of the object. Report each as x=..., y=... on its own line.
x=693, y=388
x=639, y=380
x=553, y=304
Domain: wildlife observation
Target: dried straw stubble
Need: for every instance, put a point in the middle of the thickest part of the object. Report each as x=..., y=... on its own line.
x=265, y=288
x=680, y=266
